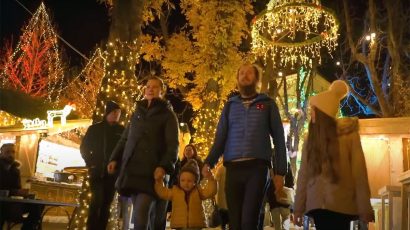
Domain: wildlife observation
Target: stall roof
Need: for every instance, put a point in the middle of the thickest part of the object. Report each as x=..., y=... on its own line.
x=396, y=125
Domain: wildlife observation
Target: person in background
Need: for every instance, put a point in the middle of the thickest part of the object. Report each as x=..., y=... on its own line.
x=96, y=148
x=220, y=177
x=243, y=136
x=187, y=212
x=190, y=153
x=332, y=185
x=148, y=146
x=10, y=180
x=280, y=212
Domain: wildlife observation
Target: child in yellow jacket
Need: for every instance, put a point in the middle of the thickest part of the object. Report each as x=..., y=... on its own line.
x=187, y=196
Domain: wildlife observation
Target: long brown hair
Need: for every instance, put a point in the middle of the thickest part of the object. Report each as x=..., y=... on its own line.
x=323, y=146
x=193, y=148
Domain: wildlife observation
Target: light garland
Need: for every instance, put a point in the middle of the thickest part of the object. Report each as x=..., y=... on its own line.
x=6, y=119
x=84, y=197
x=114, y=222
x=205, y=123
x=119, y=83
x=40, y=22
x=83, y=89
x=294, y=31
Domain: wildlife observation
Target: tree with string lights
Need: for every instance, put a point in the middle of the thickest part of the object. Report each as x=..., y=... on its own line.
x=82, y=90
x=34, y=67
x=375, y=58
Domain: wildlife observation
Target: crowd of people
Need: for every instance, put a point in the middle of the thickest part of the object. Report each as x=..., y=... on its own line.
x=140, y=162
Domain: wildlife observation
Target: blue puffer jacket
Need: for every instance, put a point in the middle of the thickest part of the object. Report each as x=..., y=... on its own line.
x=246, y=133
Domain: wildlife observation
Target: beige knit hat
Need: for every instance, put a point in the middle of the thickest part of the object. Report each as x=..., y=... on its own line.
x=329, y=101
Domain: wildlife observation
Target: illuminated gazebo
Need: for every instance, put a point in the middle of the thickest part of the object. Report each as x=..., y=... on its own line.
x=293, y=32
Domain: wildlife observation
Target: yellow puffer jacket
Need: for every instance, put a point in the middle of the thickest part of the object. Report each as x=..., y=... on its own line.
x=191, y=214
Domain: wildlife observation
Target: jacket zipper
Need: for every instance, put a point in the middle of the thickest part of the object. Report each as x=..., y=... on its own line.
x=187, y=216
x=245, y=128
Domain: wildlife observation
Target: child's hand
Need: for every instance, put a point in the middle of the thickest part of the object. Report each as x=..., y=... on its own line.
x=159, y=174
x=206, y=171
x=209, y=176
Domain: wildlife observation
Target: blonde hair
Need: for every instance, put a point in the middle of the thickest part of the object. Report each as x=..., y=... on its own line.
x=161, y=83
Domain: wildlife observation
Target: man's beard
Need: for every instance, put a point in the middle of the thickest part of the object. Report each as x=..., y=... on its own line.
x=247, y=90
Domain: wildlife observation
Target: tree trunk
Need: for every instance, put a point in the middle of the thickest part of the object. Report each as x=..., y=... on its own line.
x=119, y=83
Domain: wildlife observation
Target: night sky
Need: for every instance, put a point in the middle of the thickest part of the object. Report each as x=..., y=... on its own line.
x=82, y=23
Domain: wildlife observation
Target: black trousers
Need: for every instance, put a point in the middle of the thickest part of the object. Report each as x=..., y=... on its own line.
x=246, y=183
x=223, y=213
x=102, y=194
x=326, y=219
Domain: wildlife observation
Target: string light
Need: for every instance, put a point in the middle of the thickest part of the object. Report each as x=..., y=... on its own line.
x=84, y=88
x=294, y=31
x=119, y=83
x=6, y=119
x=83, y=199
x=114, y=221
x=205, y=123
x=40, y=22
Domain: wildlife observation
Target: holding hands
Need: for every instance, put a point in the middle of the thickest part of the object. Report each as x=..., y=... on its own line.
x=159, y=174
x=206, y=171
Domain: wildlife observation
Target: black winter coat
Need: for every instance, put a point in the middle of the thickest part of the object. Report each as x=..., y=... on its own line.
x=9, y=175
x=97, y=145
x=149, y=141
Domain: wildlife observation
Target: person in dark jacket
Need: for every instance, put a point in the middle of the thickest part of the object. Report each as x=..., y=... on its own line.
x=96, y=148
x=190, y=152
x=10, y=180
x=147, y=151
x=243, y=136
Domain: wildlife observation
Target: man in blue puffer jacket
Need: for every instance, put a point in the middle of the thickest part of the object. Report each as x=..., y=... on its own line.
x=243, y=136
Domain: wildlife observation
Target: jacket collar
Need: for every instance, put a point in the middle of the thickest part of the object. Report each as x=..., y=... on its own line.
x=347, y=125
x=260, y=97
x=157, y=104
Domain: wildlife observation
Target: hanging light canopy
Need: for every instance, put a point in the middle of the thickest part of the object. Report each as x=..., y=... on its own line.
x=294, y=31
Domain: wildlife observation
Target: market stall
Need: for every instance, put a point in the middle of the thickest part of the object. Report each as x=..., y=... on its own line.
x=44, y=152
x=386, y=145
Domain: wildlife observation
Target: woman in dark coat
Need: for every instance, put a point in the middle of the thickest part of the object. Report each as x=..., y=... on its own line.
x=146, y=151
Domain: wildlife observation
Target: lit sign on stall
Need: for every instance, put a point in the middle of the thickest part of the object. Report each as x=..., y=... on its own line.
x=51, y=114
x=35, y=123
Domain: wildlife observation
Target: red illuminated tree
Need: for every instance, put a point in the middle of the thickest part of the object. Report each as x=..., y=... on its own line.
x=35, y=67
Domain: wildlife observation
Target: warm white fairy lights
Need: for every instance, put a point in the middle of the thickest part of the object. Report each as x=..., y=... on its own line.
x=84, y=197
x=6, y=119
x=40, y=23
x=120, y=83
x=83, y=89
x=294, y=31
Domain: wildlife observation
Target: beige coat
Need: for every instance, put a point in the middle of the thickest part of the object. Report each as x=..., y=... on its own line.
x=351, y=195
x=187, y=214
x=220, y=176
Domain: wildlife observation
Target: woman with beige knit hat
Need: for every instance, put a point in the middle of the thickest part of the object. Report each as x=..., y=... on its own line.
x=332, y=185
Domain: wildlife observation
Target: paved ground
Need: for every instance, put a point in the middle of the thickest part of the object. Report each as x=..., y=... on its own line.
x=59, y=226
